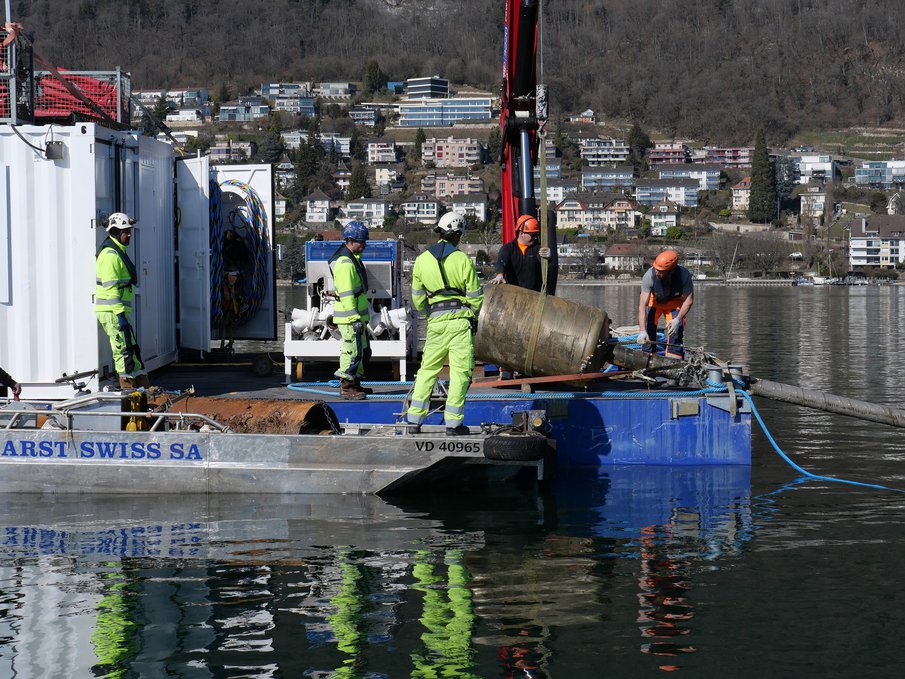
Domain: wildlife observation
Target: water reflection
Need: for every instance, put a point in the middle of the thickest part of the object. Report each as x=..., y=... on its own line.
x=508, y=584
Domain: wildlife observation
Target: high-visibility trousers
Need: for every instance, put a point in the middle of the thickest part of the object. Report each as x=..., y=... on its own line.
x=354, y=352
x=445, y=337
x=674, y=346
x=126, y=353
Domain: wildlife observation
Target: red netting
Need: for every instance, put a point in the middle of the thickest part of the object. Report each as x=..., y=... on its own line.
x=5, y=108
x=54, y=100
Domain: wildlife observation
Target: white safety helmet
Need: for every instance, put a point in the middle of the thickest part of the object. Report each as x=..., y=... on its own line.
x=450, y=224
x=118, y=220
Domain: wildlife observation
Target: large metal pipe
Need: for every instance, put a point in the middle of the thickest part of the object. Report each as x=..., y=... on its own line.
x=263, y=416
x=539, y=334
x=831, y=403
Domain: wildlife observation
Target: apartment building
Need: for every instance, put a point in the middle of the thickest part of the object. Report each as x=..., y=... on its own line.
x=452, y=152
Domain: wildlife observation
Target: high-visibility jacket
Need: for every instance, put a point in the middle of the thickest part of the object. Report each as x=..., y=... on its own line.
x=445, y=283
x=350, y=279
x=116, y=277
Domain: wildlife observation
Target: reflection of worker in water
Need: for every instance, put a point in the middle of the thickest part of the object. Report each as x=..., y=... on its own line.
x=666, y=290
x=348, y=622
x=448, y=618
x=663, y=606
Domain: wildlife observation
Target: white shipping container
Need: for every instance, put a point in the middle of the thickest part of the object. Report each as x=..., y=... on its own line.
x=50, y=212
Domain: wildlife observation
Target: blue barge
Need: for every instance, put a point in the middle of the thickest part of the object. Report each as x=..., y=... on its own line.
x=613, y=427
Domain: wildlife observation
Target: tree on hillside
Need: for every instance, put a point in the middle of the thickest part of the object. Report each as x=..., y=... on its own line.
x=638, y=142
x=762, y=203
x=271, y=147
x=494, y=142
x=785, y=169
x=149, y=124
x=373, y=79
x=358, y=183
x=420, y=138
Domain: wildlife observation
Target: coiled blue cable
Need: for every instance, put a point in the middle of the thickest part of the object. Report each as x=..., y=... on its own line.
x=257, y=241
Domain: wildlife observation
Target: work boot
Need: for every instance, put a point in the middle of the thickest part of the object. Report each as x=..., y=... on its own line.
x=413, y=428
x=367, y=390
x=126, y=383
x=349, y=391
x=461, y=430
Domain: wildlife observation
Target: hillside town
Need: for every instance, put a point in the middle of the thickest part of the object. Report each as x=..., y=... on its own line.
x=396, y=155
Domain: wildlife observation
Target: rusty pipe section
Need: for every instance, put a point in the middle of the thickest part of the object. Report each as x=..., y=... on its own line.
x=263, y=416
x=635, y=359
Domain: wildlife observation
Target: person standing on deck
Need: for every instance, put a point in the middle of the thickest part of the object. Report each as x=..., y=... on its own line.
x=116, y=280
x=7, y=382
x=445, y=284
x=666, y=290
x=351, y=312
x=519, y=260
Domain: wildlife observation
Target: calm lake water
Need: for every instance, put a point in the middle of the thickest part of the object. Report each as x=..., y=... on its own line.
x=612, y=572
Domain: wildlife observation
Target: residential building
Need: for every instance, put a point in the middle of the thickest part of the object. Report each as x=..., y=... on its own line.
x=295, y=104
x=185, y=115
x=317, y=208
x=881, y=174
x=384, y=176
x=663, y=216
x=596, y=212
x=342, y=176
x=364, y=115
x=554, y=169
x=395, y=87
x=813, y=204
x=452, y=152
x=667, y=153
x=741, y=195
x=442, y=185
x=381, y=151
x=232, y=151
x=681, y=191
x=274, y=90
x=421, y=209
x=284, y=173
x=279, y=206
x=707, y=176
x=371, y=212
x=625, y=257
x=878, y=240
x=607, y=178
x=444, y=112
x=731, y=158
x=248, y=109
x=815, y=168
x=474, y=205
x=558, y=189
x=587, y=116
x=597, y=151
x=328, y=140
x=432, y=87
x=338, y=90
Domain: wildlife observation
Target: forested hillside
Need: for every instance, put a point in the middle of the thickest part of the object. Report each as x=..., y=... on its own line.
x=712, y=69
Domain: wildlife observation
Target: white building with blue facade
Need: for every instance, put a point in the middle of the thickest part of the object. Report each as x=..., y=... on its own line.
x=607, y=178
x=815, y=168
x=881, y=174
x=680, y=191
x=707, y=176
x=444, y=112
x=431, y=87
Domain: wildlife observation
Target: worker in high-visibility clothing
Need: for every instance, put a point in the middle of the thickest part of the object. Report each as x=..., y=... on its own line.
x=445, y=285
x=116, y=280
x=667, y=290
x=351, y=311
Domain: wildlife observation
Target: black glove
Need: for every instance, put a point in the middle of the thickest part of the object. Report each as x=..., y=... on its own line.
x=122, y=321
x=358, y=327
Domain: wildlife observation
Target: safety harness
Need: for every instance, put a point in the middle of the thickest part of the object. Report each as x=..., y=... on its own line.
x=121, y=284
x=440, y=253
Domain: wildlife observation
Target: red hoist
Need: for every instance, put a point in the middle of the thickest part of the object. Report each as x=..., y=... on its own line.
x=523, y=112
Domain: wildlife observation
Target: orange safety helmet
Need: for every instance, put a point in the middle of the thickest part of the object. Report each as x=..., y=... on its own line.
x=666, y=260
x=528, y=224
